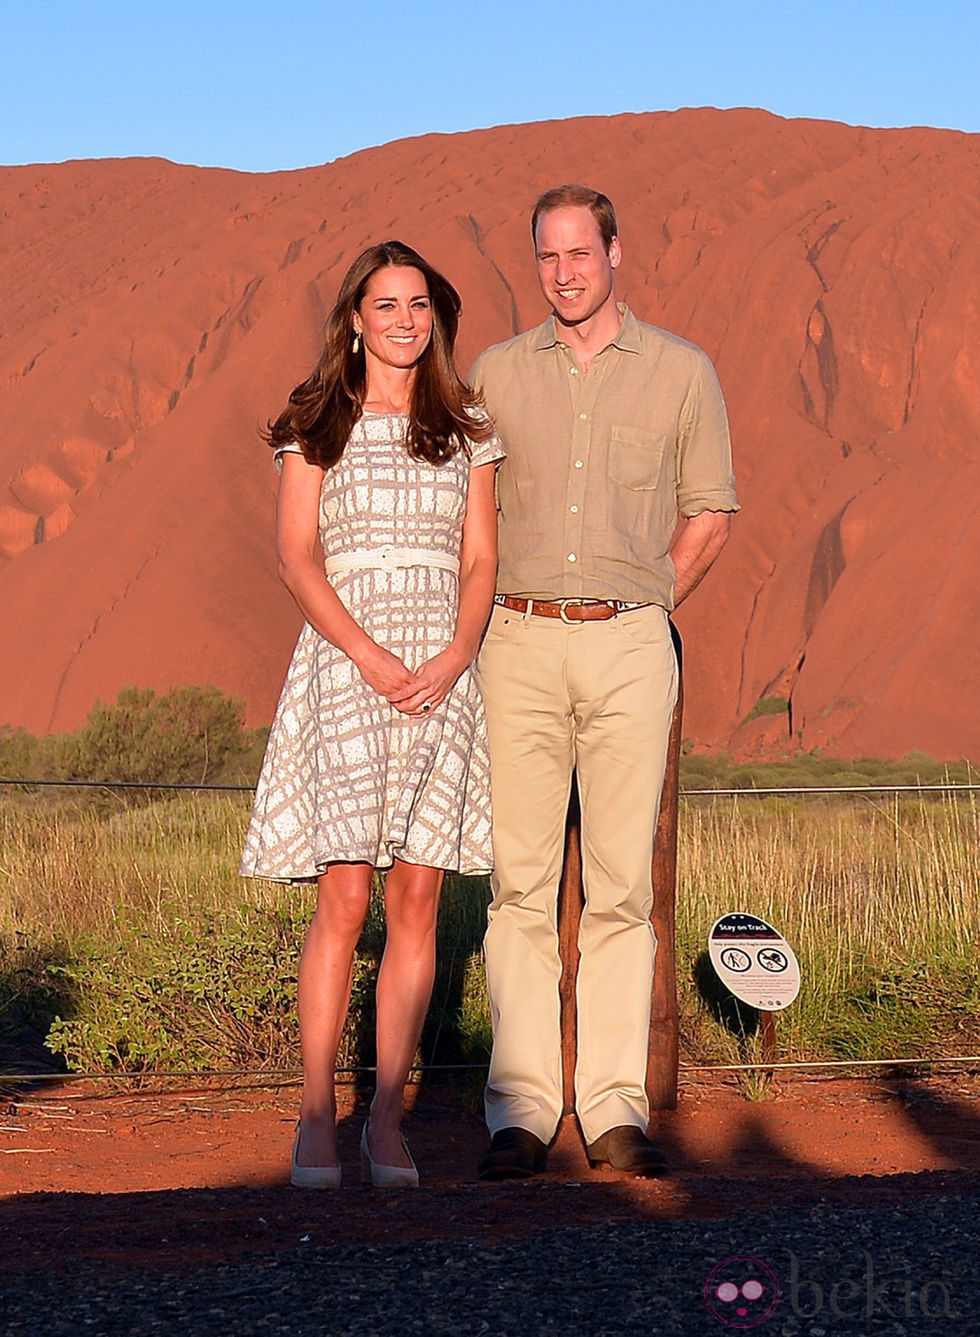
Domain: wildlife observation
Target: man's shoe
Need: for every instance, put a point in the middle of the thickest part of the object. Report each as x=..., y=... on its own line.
x=514, y=1154
x=626, y=1148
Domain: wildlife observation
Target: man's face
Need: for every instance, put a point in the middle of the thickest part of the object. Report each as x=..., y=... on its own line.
x=574, y=268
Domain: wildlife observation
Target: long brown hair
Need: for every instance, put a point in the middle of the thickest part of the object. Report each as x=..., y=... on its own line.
x=323, y=409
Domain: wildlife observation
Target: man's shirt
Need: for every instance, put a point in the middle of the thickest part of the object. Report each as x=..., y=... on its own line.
x=599, y=466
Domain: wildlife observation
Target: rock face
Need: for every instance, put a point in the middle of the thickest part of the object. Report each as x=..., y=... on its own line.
x=153, y=316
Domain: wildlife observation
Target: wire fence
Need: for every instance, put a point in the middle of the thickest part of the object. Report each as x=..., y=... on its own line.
x=760, y=792
x=288, y=1076
x=274, y=1077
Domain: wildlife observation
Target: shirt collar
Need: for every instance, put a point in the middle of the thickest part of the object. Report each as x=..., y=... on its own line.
x=628, y=338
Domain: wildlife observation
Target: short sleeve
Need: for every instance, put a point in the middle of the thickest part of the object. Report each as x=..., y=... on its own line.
x=490, y=451
x=705, y=478
x=290, y=448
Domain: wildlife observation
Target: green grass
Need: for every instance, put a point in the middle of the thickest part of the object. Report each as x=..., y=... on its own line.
x=131, y=925
x=768, y=705
x=880, y=899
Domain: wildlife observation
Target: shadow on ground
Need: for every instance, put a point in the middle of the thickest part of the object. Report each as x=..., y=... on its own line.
x=742, y=1164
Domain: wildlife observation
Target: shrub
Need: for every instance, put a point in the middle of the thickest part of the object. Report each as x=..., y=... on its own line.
x=218, y=993
x=32, y=991
x=189, y=735
x=17, y=752
x=768, y=705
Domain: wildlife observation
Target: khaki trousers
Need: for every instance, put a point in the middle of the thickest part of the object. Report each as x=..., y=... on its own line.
x=594, y=698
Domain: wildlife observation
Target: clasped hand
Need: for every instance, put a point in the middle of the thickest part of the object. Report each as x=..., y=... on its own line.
x=409, y=692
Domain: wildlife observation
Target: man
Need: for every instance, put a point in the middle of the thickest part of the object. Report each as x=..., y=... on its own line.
x=615, y=498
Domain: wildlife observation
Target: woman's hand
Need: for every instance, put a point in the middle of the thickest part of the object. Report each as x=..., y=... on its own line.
x=387, y=675
x=433, y=682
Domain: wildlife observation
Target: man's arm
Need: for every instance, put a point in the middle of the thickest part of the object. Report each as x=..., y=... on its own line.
x=695, y=548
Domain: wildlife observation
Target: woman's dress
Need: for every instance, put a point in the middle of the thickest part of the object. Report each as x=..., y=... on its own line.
x=346, y=777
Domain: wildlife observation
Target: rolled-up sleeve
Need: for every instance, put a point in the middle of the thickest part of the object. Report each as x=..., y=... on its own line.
x=705, y=477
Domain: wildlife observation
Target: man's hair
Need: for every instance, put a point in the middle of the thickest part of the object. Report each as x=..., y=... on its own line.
x=599, y=205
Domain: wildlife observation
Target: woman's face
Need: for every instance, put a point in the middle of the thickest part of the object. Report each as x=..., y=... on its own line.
x=395, y=317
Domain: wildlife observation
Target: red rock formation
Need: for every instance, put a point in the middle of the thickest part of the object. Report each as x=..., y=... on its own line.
x=154, y=315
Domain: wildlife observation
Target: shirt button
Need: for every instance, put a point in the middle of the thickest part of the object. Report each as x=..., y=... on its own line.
x=578, y=464
x=573, y=371
x=574, y=510
x=572, y=557
x=584, y=417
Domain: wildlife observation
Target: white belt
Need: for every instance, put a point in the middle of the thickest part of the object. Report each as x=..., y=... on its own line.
x=390, y=559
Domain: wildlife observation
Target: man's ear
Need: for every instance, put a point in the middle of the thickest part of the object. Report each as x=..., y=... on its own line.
x=615, y=253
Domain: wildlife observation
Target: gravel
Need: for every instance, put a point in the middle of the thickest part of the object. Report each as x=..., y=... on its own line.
x=910, y=1269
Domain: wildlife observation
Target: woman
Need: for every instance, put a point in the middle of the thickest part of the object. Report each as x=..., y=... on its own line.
x=386, y=537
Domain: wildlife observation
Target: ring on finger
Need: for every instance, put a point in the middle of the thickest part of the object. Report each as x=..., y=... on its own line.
x=426, y=706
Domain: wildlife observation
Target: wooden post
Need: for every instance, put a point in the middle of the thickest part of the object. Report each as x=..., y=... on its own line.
x=662, y=1058
x=570, y=899
x=768, y=1020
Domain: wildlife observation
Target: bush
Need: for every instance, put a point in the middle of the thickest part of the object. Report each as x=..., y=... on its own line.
x=187, y=735
x=925, y=1007
x=808, y=770
x=32, y=991
x=18, y=749
x=768, y=705
x=218, y=993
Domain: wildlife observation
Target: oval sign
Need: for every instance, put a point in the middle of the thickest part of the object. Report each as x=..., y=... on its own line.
x=754, y=961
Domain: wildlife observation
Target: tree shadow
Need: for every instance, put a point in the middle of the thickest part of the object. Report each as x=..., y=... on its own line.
x=457, y=1027
x=252, y=1214
x=949, y=1124
x=33, y=992
x=456, y=1031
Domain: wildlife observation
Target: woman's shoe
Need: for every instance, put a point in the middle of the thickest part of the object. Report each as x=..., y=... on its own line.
x=312, y=1176
x=386, y=1176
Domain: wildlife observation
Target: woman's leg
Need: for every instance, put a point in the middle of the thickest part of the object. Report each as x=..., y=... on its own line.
x=325, y=975
x=404, y=989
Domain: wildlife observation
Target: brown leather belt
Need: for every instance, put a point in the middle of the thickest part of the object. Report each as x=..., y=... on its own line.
x=568, y=610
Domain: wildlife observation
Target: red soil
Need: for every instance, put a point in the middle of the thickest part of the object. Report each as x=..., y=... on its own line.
x=147, y=1180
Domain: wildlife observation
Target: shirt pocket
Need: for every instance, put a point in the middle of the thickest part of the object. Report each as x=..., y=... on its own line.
x=635, y=457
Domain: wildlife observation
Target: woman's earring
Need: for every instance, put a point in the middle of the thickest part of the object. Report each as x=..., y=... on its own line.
x=357, y=342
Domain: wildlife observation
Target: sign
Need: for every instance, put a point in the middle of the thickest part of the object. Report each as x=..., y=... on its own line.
x=754, y=961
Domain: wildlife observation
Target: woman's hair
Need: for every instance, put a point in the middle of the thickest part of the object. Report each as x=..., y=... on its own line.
x=599, y=205
x=323, y=409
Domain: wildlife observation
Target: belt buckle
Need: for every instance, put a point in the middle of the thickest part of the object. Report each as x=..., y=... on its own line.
x=569, y=621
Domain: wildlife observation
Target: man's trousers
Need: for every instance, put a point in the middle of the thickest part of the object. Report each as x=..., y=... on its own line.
x=594, y=698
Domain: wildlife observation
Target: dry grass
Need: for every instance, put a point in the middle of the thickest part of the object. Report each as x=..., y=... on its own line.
x=73, y=870
x=880, y=898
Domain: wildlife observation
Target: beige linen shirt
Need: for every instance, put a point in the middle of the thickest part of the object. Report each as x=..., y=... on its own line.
x=600, y=465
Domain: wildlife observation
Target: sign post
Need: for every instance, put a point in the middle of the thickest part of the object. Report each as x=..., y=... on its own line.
x=757, y=965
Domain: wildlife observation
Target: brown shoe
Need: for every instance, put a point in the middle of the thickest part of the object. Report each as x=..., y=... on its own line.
x=627, y=1148
x=514, y=1154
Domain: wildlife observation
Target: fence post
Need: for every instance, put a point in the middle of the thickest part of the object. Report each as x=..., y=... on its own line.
x=570, y=897
x=662, y=1054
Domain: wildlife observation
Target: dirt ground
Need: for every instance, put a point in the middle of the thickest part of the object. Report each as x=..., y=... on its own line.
x=148, y=1180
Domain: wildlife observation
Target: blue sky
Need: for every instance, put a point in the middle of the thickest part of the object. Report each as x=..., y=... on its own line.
x=261, y=86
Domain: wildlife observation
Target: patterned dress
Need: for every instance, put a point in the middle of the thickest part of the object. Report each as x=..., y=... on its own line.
x=346, y=777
